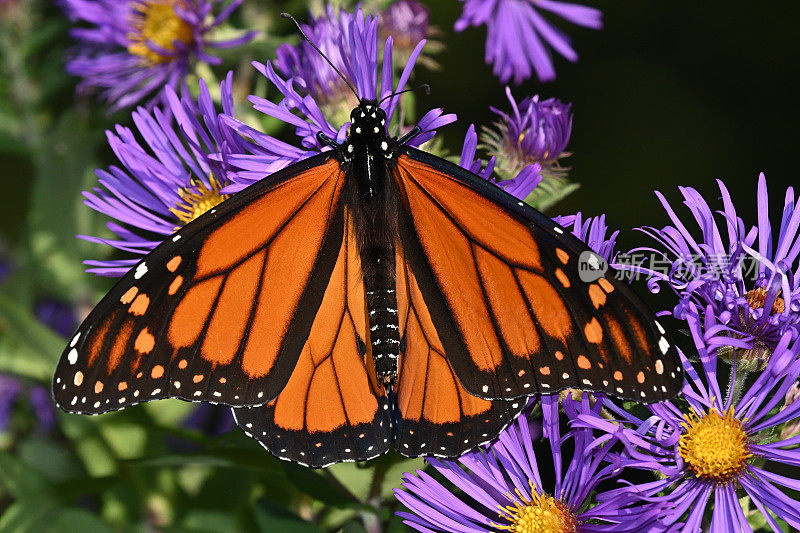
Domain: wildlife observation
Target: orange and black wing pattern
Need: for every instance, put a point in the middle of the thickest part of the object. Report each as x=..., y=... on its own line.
x=501, y=284
x=332, y=409
x=217, y=311
x=435, y=414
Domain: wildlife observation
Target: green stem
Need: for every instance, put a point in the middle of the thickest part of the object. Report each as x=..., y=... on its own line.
x=372, y=521
x=738, y=378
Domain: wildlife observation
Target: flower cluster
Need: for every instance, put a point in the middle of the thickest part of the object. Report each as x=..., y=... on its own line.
x=130, y=49
x=719, y=444
x=502, y=486
x=742, y=278
x=711, y=449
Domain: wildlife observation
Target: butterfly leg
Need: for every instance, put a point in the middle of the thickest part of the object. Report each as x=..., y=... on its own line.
x=326, y=141
x=416, y=130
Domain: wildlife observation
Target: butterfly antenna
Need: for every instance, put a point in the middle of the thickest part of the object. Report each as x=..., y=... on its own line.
x=424, y=86
x=288, y=16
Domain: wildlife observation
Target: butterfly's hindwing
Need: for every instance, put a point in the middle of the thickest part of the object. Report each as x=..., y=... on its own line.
x=331, y=410
x=435, y=414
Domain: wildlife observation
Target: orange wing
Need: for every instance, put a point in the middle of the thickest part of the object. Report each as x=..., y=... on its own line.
x=437, y=416
x=220, y=311
x=500, y=281
x=332, y=409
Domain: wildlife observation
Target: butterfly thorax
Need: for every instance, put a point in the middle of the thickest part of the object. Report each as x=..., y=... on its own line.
x=365, y=155
x=366, y=148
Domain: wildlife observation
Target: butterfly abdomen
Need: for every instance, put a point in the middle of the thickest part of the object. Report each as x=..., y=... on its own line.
x=384, y=330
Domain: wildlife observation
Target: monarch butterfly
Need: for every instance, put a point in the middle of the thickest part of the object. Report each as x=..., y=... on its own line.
x=369, y=296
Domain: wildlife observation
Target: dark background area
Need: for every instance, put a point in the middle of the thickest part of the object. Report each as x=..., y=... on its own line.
x=667, y=94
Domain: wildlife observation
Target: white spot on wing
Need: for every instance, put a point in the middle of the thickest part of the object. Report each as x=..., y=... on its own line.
x=141, y=270
x=72, y=357
x=663, y=344
x=75, y=339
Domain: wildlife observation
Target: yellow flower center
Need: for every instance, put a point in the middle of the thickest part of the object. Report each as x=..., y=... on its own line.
x=540, y=514
x=156, y=22
x=757, y=297
x=198, y=199
x=714, y=446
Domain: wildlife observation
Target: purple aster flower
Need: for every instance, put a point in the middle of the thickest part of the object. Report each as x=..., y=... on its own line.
x=594, y=232
x=213, y=420
x=501, y=487
x=536, y=131
x=13, y=390
x=6, y=267
x=58, y=315
x=315, y=77
x=10, y=389
x=519, y=186
x=518, y=36
x=715, y=448
x=408, y=22
x=355, y=50
x=167, y=179
x=131, y=49
x=745, y=277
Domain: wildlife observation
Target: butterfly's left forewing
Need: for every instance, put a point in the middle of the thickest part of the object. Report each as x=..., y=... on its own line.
x=219, y=311
x=502, y=285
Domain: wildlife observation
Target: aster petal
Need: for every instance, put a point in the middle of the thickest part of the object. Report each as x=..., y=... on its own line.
x=766, y=496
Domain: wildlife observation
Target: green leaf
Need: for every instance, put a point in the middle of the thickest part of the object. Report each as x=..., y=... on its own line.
x=396, y=525
x=64, y=166
x=394, y=475
x=48, y=458
x=37, y=516
x=209, y=520
x=319, y=487
x=244, y=458
x=26, y=515
x=21, y=479
x=72, y=519
x=84, y=431
x=271, y=518
x=354, y=527
x=27, y=347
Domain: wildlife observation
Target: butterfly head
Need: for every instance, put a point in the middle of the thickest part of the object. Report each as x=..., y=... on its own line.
x=368, y=122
